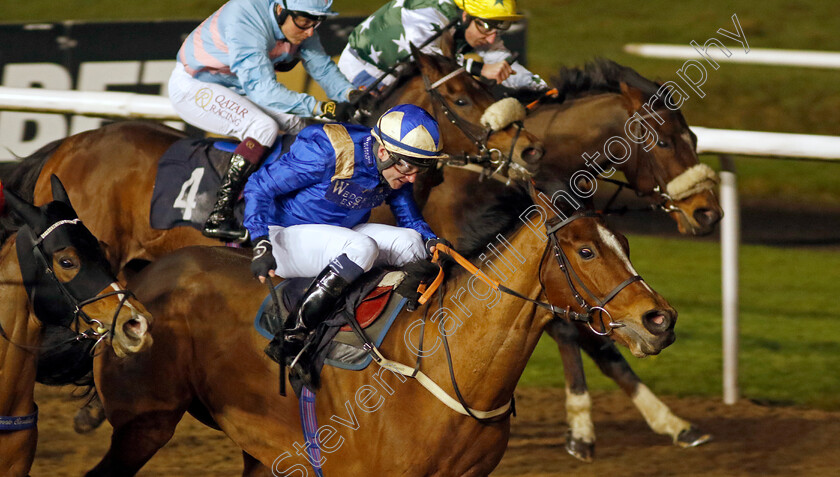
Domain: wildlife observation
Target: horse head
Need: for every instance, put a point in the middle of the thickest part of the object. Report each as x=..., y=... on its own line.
x=609, y=117
x=667, y=169
x=588, y=264
x=68, y=279
x=476, y=128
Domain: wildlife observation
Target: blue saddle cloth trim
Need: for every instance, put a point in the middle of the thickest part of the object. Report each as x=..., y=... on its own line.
x=377, y=341
x=266, y=302
x=19, y=423
x=336, y=364
x=309, y=425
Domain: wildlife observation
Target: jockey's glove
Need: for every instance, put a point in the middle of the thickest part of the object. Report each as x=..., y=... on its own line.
x=435, y=241
x=333, y=111
x=263, y=261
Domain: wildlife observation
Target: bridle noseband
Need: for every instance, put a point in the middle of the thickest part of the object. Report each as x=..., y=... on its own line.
x=491, y=159
x=98, y=331
x=572, y=278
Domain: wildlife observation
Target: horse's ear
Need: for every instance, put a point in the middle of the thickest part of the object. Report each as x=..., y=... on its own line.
x=632, y=97
x=26, y=211
x=447, y=44
x=58, y=191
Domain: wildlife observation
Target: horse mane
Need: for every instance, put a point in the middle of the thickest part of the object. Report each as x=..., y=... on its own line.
x=498, y=216
x=21, y=180
x=599, y=76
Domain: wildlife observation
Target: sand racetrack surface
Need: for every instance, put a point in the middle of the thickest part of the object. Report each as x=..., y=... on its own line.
x=749, y=440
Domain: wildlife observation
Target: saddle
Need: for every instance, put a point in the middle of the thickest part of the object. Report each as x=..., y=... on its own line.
x=188, y=178
x=373, y=303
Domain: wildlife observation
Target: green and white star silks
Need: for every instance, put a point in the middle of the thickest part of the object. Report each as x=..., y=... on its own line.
x=383, y=39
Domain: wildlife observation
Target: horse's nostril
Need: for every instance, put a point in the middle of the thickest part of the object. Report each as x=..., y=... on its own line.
x=532, y=154
x=706, y=217
x=658, y=321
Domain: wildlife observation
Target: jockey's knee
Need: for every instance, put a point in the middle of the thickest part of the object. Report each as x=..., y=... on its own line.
x=264, y=129
x=409, y=248
x=362, y=250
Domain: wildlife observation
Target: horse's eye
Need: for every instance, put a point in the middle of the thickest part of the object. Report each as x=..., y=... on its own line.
x=461, y=102
x=66, y=263
x=586, y=253
x=663, y=144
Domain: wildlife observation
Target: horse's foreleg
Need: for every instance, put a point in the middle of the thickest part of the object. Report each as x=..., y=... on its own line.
x=90, y=416
x=135, y=441
x=580, y=440
x=658, y=416
x=17, y=451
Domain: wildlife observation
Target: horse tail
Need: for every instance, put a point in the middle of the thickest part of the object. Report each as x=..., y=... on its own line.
x=21, y=177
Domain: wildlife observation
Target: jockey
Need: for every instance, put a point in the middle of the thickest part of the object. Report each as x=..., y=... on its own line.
x=382, y=40
x=225, y=82
x=308, y=209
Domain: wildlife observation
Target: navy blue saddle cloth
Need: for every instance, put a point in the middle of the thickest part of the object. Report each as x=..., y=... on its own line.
x=188, y=178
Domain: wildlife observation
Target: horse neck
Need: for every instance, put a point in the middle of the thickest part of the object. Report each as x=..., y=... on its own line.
x=579, y=126
x=17, y=379
x=496, y=332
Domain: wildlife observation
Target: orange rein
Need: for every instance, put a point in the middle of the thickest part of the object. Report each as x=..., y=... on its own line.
x=460, y=260
x=552, y=92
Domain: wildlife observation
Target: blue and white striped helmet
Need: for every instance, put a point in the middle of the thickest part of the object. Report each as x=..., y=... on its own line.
x=411, y=132
x=316, y=8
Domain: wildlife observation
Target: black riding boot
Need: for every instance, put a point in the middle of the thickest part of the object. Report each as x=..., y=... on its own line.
x=221, y=223
x=317, y=303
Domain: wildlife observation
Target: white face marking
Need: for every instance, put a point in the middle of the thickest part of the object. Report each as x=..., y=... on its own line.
x=127, y=303
x=610, y=240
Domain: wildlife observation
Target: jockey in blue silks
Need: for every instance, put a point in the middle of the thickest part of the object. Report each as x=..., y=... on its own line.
x=308, y=210
x=225, y=82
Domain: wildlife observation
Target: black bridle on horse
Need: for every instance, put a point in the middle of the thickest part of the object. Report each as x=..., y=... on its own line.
x=62, y=304
x=486, y=158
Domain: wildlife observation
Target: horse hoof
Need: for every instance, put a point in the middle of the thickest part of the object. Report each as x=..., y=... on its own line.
x=692, y=437
x=580, y=449
x=89, y=417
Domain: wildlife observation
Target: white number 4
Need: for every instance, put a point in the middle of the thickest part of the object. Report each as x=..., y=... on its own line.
x=186, y=198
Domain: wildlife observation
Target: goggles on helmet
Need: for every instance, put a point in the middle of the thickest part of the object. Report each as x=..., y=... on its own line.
x=486, y=27
x=305, y=21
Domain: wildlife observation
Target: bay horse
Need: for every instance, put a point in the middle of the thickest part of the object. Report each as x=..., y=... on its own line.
x=117, y=163
x=209, y=360
x=53, y=274
x=593, y=105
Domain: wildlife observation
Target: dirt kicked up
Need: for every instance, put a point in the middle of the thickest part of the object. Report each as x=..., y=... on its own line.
x=749, y=440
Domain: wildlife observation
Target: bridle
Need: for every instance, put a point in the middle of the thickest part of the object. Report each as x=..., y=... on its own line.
x=660, y=197
x=574, y=280
x=492, y=160
x=97, y=330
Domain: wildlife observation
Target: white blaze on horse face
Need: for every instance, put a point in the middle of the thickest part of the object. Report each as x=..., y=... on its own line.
x=610, y=240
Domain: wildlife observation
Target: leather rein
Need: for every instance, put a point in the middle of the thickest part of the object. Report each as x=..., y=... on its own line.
x=492, y=161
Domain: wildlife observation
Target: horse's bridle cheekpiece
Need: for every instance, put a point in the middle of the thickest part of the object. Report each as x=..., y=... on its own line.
x=58, y=303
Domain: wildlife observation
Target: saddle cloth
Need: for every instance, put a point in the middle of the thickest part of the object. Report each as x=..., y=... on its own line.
x=373, y=304
x=188, y=178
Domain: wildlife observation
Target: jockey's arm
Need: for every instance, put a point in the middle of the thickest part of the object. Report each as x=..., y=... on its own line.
x=255, y=72
x=407, y=213
x=519, y=78
x=323, y=70
x=302, y=166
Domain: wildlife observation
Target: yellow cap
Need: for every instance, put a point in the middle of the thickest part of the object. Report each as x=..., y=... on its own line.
x=504, y=10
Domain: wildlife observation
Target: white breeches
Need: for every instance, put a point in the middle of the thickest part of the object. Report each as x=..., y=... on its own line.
x=305, y=250
x=219, y=110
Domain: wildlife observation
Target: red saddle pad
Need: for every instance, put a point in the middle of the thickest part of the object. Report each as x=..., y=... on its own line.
x=371, y=307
